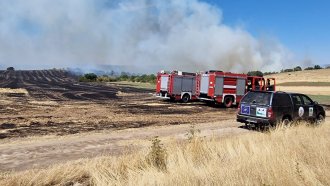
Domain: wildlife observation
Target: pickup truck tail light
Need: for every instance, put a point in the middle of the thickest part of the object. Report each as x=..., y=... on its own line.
x=270, y=113
x=239, y=109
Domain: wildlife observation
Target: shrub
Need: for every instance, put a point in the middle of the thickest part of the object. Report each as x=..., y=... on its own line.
x=288, y=70
x=192, y=133
x=11, y=68
x=297, y=68
x=269, y=73
x=255, y=73
x=316, y=67
x=157, y=156
x=91, y=76
x=88, y=77
x=309, y=68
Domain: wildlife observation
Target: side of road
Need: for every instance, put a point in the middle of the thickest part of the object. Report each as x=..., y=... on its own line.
x=22, y=154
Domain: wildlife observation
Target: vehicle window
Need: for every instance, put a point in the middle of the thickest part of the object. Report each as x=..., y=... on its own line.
x=281, y=100
x=307, y=100
x=296, y=100
x=261, y=98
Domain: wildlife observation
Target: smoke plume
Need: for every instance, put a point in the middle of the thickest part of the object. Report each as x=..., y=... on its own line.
x=142, y=34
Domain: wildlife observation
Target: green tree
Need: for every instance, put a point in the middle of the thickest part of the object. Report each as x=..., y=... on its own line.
x=91, y=76
x=255, y=73
x=317, y=67
x=309, y=68
x=297, y=68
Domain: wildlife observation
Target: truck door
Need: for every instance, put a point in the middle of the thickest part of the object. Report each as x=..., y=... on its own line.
x=309, y=107
x=270, y=84
x=298, y=107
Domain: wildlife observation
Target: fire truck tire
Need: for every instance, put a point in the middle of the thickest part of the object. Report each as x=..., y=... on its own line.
x=185, y=98
x=228, y=101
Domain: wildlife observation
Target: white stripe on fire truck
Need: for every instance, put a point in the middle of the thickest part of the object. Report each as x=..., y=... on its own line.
x=229, y=86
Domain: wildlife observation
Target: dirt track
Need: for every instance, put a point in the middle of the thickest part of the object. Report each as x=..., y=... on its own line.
x=45, y=151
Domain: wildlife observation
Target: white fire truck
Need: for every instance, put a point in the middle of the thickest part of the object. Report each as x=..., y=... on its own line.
x=176, y=85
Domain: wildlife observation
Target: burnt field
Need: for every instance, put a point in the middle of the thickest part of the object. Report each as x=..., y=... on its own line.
x=53, y=102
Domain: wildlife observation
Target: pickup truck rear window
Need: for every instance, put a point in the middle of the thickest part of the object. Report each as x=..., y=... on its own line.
x=260, y=98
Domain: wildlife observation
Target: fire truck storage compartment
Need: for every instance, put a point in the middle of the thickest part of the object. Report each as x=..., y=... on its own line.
x=240, y=87
x=183, y=84
x=163, y=83
x=218, y=89
x=204, y=85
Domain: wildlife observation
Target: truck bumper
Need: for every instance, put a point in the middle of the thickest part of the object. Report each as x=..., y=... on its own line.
x=162, y=96
x=254, y=120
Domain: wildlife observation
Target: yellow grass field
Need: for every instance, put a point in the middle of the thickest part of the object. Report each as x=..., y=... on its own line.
x=318, y=81
x=293, y=156
x=322, y=75
x=312, y=90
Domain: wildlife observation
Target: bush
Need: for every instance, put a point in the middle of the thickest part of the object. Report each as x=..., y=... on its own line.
x=91, y=76
x=11, y=68
x=157, y=156
x=288, y=70
x=316, y=67
x=255, y=73
x=88, y=77
x=309, y=68
x=269, y=73
x=297, y=68
x=145, y=78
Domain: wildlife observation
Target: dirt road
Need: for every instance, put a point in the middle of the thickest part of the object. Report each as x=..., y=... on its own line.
x=41, y=152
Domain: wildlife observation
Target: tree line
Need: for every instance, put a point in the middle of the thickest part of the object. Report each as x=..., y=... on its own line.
x=151, y=78
x=295, y=69
x=144, y=78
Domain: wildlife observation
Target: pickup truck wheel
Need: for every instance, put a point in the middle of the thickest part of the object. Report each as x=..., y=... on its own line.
x=319, y=119
x=228, y=101
x=185, y=98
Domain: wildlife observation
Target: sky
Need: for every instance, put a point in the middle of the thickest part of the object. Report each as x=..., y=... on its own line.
x=189, y=35
x=303, y=26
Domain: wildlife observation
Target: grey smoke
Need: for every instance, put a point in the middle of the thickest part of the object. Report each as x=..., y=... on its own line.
x=141, y=34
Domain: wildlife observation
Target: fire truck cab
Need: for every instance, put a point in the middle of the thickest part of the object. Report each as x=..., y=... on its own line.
x=176, y=85
x=260, y=83
x=228, y=88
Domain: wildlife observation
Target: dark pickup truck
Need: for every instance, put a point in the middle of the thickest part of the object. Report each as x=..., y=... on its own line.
x=270, y=108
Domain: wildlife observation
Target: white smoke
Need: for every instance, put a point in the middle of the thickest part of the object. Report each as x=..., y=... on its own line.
x=173, y=34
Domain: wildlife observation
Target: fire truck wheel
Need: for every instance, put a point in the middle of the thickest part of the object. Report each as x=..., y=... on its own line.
x=185, y=98
x=228, y=101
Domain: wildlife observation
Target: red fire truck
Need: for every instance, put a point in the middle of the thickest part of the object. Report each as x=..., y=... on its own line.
x=228, y=88
x=176, y=85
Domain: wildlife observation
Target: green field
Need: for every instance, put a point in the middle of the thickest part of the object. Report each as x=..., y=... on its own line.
x=322, y=99
x=305, y=83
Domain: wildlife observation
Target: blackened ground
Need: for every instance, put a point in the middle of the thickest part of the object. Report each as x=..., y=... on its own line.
x=58, y=85
x=58, y=104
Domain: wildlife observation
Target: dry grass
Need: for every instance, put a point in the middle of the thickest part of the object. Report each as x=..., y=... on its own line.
x=312, y=90
x=303, y=76
x=294, y=156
